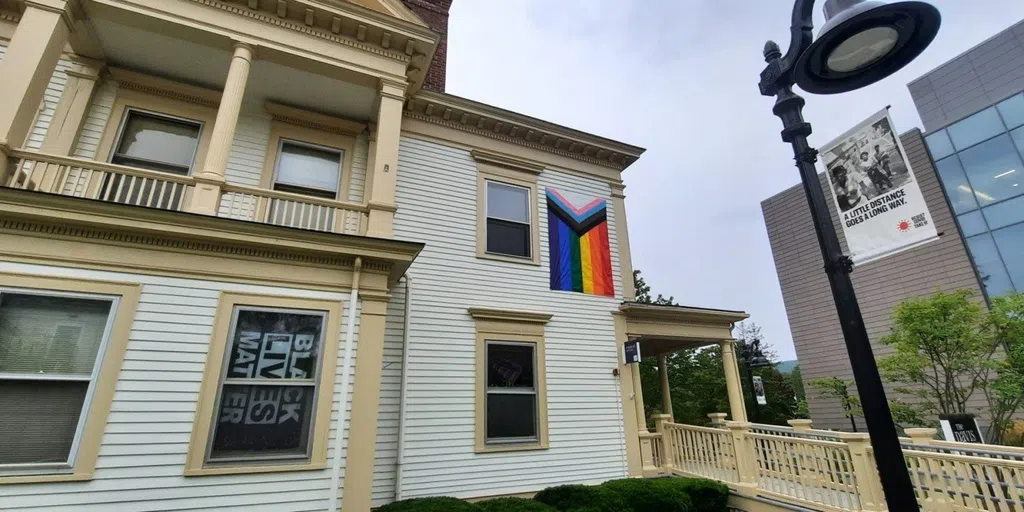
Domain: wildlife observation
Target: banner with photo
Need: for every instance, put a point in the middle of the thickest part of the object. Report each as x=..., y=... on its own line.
x=878, y=199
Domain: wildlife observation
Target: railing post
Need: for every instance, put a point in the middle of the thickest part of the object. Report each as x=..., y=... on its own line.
x=921, y=436
x=800, y=425
x=667, y=448
x=931, y=473
x=869, y=486
x=718, y=419
x=746, y=458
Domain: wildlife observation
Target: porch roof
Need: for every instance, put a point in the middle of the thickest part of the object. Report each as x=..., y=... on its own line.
x=663, y=329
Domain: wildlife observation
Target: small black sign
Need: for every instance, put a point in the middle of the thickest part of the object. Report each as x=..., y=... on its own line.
x=632, y=352
x=962, y=428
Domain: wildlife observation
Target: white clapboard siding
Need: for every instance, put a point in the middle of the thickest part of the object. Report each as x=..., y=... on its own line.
x=51, y=96
x=357, y=182
x=143, y=451
x=437, y=197
x=96, y=121
x=390, y=389
x=249, y=147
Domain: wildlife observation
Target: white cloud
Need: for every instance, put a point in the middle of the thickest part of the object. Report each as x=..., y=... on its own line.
x=680, y=78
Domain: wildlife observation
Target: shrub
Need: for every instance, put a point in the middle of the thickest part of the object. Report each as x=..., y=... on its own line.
x=430, y=505
x=514, y=505
x=705, y=495
x=643, y=495
x=581, y=498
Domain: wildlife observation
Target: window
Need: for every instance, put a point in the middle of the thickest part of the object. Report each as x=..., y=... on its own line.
x=61, y=344
x=939, y=144
x=508, y=220
x=989, y=264
x=981, y=126
x=308, y=169
x=1005, y=213
x=959, y=191
x=266, y=398
x=1012, y=111
x=972, y=223
x=994, y=169
x=157, y=142
x=507, y=228
x=1011, y=247
x=511, y=404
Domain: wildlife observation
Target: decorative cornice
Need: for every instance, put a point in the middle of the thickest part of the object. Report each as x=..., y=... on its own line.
x=504, y=315
x=511, y=162
x=300, y=117
x=312, y=31
x=10, y=17
x=166, y=88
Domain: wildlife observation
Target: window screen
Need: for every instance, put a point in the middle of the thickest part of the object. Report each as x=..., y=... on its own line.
x=158, y=143
x=266, y=400
x=50, y=350
x=508, y=219
x=308, y=169
x=511, y=400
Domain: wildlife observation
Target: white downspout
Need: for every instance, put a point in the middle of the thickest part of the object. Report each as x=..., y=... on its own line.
x=342, y=404
x=400, y=459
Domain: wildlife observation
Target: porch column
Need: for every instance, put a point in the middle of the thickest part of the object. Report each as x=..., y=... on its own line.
x=206, y=197
x=638, y=399
x=362, y=433
x=634, y=460
x=72, y=107
x=732, y=381
x=28, y=64
x=666, y=393
x=385, y=160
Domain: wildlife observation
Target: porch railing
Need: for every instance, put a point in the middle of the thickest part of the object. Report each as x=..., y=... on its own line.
x=76, y=177
x=836, y=472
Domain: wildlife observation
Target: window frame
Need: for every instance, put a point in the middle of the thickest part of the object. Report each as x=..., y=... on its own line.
x=197, y=461
x=81, y=463
x=514, y=172
x=510, y=328
x=128, y=111
x=530, y=249
x=342, y=156
x=281, y=132
x=533, y=391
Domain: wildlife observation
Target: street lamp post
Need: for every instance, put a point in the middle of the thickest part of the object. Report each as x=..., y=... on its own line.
x=753, y=357
x=861, y=43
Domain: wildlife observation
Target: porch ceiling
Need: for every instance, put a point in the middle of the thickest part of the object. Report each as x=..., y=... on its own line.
x=664, y=329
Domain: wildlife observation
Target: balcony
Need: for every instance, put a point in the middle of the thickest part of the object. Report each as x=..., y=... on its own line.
x=76, y=177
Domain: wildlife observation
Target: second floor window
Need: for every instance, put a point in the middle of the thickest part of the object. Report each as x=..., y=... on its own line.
x=508, y=220
x=157, y=142
x=308, y=169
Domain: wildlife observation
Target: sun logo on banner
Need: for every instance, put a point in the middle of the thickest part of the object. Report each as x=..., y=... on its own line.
x=904, y=225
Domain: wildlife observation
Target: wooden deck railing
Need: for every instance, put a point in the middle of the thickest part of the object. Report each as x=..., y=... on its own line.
x=62, y=175
x=836, y=472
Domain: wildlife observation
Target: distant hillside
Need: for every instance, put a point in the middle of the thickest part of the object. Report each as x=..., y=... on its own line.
x=786, y=366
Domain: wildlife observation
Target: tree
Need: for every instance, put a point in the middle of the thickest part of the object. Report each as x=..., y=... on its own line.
x=796, y=381
x=834, y=387
x=1005, y=323
x=643, y=292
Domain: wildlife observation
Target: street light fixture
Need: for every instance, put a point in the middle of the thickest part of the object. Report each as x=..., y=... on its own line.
x=861, y=43
x=753, y=357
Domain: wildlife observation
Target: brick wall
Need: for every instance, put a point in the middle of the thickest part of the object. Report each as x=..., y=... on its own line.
x=435, y=14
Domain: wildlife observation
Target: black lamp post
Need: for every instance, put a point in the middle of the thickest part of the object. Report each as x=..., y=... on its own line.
x=861, y=43
x=753, y=357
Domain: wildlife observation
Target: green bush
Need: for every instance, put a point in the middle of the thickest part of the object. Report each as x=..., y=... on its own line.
x=581, y=498
x=706, y=495
x=430, y=505
x=644, y=495
x=514, y=505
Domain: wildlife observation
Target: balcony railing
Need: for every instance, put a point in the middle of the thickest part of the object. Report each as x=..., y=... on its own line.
x=55, y=174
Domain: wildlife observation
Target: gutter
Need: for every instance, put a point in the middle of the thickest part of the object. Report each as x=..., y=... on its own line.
x=335, y=488
x=400, y=459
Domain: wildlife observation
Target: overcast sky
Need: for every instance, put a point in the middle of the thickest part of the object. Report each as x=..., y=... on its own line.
x=679, y=77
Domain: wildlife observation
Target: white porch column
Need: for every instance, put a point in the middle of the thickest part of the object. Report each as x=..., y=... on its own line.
x=206, y=198
x=383, y=175
x=732, y=381
x=666, y=392
x=638, y=399
x=72, y=107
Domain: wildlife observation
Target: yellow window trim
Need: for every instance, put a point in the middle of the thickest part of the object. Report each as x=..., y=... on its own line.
x=510, y=170
x=195, y=461
x=515, y=326
x=301, y=126
x=92, y=434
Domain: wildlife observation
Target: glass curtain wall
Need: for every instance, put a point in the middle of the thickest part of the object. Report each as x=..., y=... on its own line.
x=980, y=161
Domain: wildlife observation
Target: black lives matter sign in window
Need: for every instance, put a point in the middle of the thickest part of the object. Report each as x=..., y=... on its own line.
x=266, y=406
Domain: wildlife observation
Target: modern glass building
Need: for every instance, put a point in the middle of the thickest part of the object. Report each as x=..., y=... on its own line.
x=980, y=161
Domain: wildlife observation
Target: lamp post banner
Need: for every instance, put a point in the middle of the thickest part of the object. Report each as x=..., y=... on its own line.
x=878, y=199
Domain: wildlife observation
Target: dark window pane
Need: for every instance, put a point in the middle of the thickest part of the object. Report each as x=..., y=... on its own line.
x=275, y=345
x=983, y=125
x=990, y=266
x=511, y=416
x=510, y=238
x=1013, y=111
x=38, y=420
x=939, y=144
x=960, y=193
x=1011, y=246
x=972, y=224
x=994, y=169
x=158, y=139
x=1004, y=213
x=263, y=421
x=52, y=335
x=509, y=366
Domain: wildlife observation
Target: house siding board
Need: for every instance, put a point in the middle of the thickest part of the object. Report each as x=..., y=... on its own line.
x=386, y=457
x=142, y=454
x=880, y=285
x=96, y=121
x=54, y=90
x=437, y=191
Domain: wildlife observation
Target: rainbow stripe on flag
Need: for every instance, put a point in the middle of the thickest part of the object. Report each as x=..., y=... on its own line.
x=581, y=260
